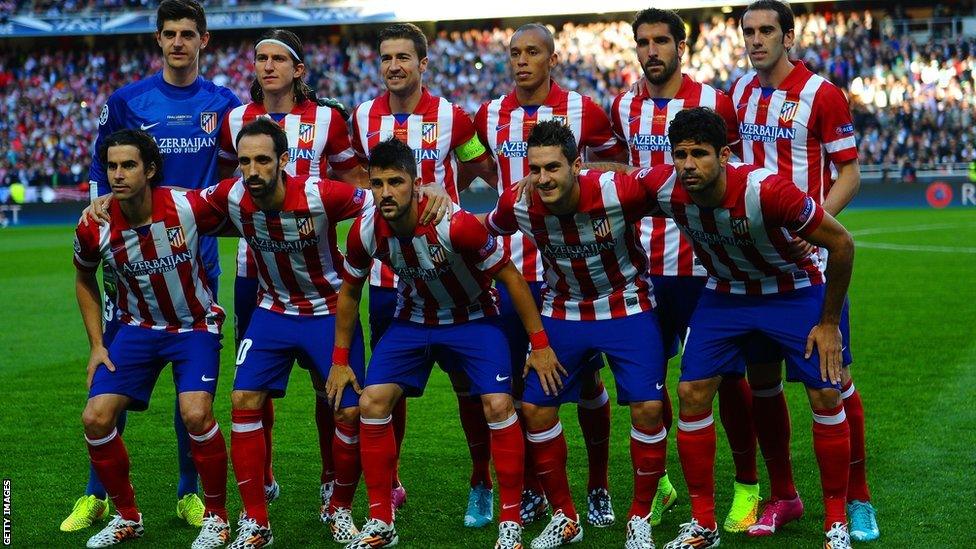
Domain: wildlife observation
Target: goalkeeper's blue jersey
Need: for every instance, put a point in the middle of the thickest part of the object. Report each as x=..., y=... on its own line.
x=184, y=121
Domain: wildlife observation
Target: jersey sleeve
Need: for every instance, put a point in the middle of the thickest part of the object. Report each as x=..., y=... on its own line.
x=650, y=181
x=357, y=262
x=338, y=149
x=598, y=136
x=471, y=239
x=785, y=205
x=833, y=125
x=225, y=141
x=357, y=143
x=464, y=139
x=210, y=221
x=501, y=220
x=110, y=119
x=481, y=123
x=342, y=200
x=87, y=256
x=615, y=123
x=216, y=197
x=725, y=109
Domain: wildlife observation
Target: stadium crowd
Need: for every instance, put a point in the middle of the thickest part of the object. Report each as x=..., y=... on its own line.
x=912, y=103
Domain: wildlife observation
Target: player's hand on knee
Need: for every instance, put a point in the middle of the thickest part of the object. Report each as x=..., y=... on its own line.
x=340, y=375
x=826, y=338
x=97, y=211
x=547, y=366
x=98, y=356
x=438, y=204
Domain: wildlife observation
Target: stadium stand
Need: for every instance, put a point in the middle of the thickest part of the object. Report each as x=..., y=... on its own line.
x=912, y=102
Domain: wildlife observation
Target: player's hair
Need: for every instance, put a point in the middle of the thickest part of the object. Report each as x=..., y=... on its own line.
x=148, y=150
x=394, y=154
x=784, y=15
x=699, y=125
x=650, y=16
x=265, y=126
x=405, y=31
x=174, y=10
x=552, y=133
x=546, y=34
x=301, y=89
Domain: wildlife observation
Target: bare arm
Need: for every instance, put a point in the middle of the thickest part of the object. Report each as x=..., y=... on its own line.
x=354, y=176
x=840, y=264
x=90, y=306
x=485, y=169
x=845, y=188
x=541, y=356
x=611, y=167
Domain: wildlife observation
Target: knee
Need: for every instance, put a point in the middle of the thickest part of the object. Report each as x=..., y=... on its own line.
x=374, y=405
x=348, y=415
x=98, y=422
x=646, y=414
x=539, y=417
x=694, y=396
x=247, y=400
x=197, y=418
x=498, y=407
x=824, y=399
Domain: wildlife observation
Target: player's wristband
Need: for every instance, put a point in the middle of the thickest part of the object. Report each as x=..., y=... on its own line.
x=340, y=356
x=538, y=340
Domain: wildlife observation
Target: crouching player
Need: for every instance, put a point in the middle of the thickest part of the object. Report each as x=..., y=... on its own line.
x=446, y=312
x=741, y=220
x=168, y=315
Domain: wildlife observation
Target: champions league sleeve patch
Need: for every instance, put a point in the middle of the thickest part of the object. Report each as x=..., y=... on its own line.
x=103, y=115
x=809, y=208
x=846, y=129
x=359, y=196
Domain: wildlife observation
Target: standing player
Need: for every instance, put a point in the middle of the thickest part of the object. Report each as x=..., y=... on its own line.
x=504, y=125
x=741, y=219
x=166, y=314
x=448, y=154
x=318, y=141
x=640, y=117
x=597, y=299
x=446, y=312
x=797, y=124
x=182, y=112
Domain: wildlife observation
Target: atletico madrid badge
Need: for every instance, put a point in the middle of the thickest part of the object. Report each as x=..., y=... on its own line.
x=788, y=111
x=428, y=133
x=601, y=227
x=208, y=121
x=437, y=254
x=306, y=133
x=306, y=227
x=175, y=236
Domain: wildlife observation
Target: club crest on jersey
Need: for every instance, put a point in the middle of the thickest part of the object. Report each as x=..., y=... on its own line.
x=306, y=227
x=208, y=121
x=428, y=133
x=306, y=133
x=437, y=254
x=601, y=227
x=176, y=237
x=740, y=226
x=788, y=111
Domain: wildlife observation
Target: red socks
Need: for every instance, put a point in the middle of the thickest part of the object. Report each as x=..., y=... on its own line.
x=857, y=484
x=508, y=454
x=832, y=444
x=111, y=462
x=530, y=481
x=325, y=424
x=267, y=418
x=735, y=410
x=345, y=451
x=377, y=449
x=648, y=451
x=247, y=454
x=696, y=450
x=209, y=453
x=548, y=448
x=772, y=423
x=476, y=431
x=594, y=419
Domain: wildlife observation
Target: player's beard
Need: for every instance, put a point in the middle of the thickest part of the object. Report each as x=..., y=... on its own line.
x=398, y=212
x=668, y=72
x=259, y=187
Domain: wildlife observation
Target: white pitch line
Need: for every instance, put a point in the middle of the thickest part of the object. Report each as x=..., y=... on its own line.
x=911, y=228
x=916, y=248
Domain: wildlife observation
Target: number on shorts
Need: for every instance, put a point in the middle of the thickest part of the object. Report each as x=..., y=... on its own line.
x=242, y=350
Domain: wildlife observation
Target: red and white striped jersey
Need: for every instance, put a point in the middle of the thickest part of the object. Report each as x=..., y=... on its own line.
x=444, y=272
x=642, y=122
x=744, y=242
x=434, y=130
x=162, y=284
x=595, y=268
x=295, y=249
x=318, y=139
x=796, y=129
x=504, y=125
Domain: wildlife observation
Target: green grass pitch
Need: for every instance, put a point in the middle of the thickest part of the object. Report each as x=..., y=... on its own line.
x=914, y=319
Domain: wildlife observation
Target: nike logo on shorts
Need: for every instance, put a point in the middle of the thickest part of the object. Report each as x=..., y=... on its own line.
x=206, y=379
x=498, y=377
x=659, y=386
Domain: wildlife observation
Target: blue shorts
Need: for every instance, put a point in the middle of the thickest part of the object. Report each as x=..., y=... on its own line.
x=407, y=352
x=724, y=325
x=139, y=355
x=274, y=341
x=245, y=301
x=518, y=340
x=633, y=348
x=762, y=350
x=676, y=298
x=382, y=305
